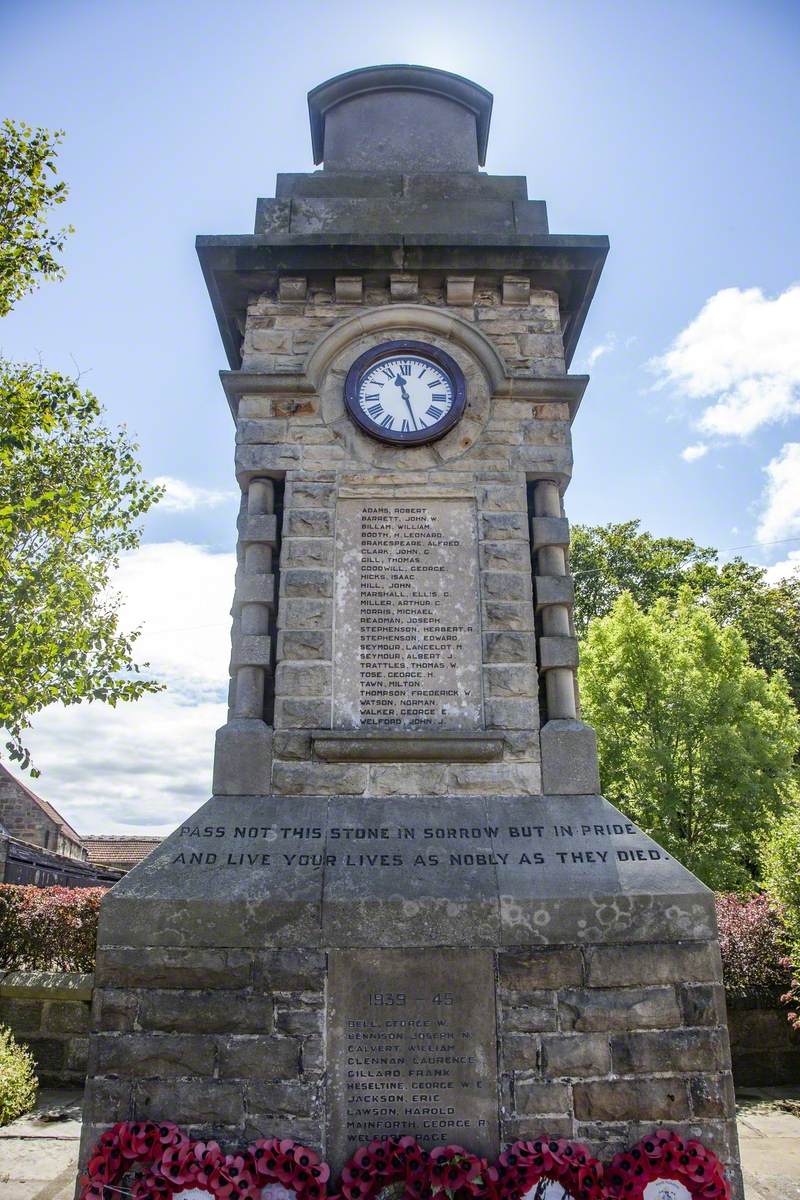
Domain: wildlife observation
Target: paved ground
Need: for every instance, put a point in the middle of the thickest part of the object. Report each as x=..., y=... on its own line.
x=39, y=1153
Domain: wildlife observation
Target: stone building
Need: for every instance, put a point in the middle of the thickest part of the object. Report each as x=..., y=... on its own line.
x=33, y=820
x=406, y=817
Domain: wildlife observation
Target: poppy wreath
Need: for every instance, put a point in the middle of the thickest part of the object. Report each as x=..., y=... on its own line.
x=523, y=1165
x=394, y=1167
x=663, y=1154
x=156, y=1161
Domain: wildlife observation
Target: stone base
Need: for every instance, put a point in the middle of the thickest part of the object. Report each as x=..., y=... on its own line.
x=569, y=759
x=215, y=959
x=242, y=758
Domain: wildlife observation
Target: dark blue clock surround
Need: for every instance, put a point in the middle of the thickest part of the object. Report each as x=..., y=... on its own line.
x=414, y=437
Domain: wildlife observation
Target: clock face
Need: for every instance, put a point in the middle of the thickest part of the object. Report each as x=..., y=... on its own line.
x=405, y=393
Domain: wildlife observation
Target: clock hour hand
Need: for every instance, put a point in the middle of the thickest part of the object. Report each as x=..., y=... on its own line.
x=401, y=383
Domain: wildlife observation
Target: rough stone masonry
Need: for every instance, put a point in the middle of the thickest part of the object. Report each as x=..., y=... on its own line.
x=406, y=908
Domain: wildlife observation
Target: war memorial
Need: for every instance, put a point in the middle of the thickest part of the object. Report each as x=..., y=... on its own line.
x=406, y=909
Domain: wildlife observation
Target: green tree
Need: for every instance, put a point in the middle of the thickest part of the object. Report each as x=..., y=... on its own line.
x=780, y=869
x=28, y=190
x=71, y=490
x=607, y=560
x=695, y=742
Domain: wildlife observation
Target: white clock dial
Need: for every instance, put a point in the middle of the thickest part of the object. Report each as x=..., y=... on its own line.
x=405, y=394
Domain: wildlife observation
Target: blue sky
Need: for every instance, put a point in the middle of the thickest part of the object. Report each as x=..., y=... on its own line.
x=671, y=127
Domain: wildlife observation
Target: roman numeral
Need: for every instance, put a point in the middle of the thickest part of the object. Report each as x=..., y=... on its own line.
x=434, y=412
x=422, y=372
x=375, y=411
x=436, y=383
x=405, y=427
x=439, y=396
x=372, y=396
x=388, y=421
x=388, y=372
x=405, y=368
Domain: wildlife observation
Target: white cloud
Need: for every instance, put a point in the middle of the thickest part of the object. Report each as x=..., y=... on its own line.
x=785, y=568
x=144, y=766
x=740, y=355
x=692, y=453
x=781, y=515
x=604, y=347
x=180, y=497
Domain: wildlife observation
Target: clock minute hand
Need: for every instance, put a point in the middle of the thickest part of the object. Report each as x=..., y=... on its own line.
x=401, y=383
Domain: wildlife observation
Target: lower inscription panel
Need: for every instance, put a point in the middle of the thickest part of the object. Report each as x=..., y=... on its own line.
x=411, y=1049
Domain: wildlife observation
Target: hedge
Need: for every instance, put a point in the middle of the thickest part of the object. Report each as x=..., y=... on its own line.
x=48, y=929
x=756, y=969
x=18, y=1082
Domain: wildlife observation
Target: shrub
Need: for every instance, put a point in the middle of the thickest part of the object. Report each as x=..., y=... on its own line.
x=755, y=968
x=18, y=1082
x=780, y=870
x=48, y=929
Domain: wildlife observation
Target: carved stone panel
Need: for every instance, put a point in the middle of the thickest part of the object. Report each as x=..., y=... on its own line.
x=412, y=1048
x=407, y=646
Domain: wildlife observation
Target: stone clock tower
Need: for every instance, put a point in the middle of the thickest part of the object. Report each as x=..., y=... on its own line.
x=406, y=908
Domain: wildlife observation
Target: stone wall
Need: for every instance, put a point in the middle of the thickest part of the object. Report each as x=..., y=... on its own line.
x=765, y=1050
x=50, y=1012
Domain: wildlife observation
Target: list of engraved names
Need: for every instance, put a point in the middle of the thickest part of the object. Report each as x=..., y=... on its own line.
x=407, y=625
x=412, y=1047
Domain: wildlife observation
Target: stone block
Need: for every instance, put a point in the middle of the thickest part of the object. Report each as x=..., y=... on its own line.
x=653, y=963
x=712, y=1095
x=209, y=1102
x=255, y=589
x=534, y=1098
x=303, y=679
x=646, y=1100
x=242, y=758
x=304, y=494
x=312, y=1055
x=704, y=1004
x=558, y=652
x=554, y=589
x=251, y=650
x=404, y=287
x=114, y=1009
x=496, y=779
x=290, y=744
x=510, y=526
x=305, y=614
x=307, y=552
x=109, y=1099
x=520, y=1052
x=204, y=1012
x=502, y=498
x=308, y=522
x=620, y=1008
x=289, y=970
x=171, y=966
x=300, y=1022
x=281, y=1097
x=258, y=1057
x=575, y=1055
x=270, y=341
x=259, y=528
x=569, y=759
x=497, y=614
x=259, y=460
x=349, y=289
x=511, y=714
x=642, y=1051
x=409, y=779
x=524, y=973
x=318, y=779
x=50, y=1055
x=298, y=581
x=77, y=1057
x=538, y=1014
x=292, y=289
x=302, y=714
x=510, y=681
x=460, y=290
x=506, y=585
x=152, y=1055
x=506, y=555
x=260, y=431
x=304, y=644
x=516, y=289
x=66, y=1018
x=549, y=531
x=22, y=1016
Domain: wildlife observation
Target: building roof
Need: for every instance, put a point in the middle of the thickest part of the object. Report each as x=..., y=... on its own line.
x=47, y=808
x=118, y=848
